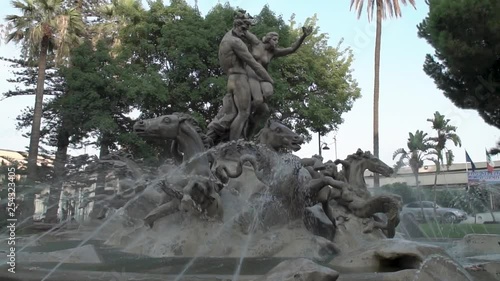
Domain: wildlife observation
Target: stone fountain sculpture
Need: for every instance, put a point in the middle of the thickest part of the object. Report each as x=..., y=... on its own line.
x=239, y=194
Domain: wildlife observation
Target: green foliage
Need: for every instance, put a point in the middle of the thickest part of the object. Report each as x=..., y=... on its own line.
x=165, y=59
x=465, y=66
x=402, y=189
x=474, y=200
x=445, y=132
x=418, y=146
x=390, y=8
x=445, y=198
x=435, y=230
x=176, y=49
x=313, y=86
x=102, y=87
x=52, y=20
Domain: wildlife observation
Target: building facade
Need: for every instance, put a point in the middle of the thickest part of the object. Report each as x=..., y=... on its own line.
x=455, y=175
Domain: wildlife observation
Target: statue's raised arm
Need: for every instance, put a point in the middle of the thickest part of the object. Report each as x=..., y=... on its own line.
x=280, y=52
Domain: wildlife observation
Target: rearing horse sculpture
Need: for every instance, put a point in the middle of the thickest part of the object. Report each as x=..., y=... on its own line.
x=361, y=203
x=200, y=187
x=354, y=167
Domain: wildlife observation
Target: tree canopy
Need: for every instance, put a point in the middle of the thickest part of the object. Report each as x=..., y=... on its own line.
x=466, y=62
x=177, y=49
x=165, y=60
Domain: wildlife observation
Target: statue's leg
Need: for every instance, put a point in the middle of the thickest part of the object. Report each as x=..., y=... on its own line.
x=324, y=194
x=218, y=129
x=238, y=85
x=162, y=211
x=257, y=120
x=228, y=111
x=267, y=90
x=256, y=91
x=261, y=91
x=314, y=186
x=329, y=212
x=379, y=204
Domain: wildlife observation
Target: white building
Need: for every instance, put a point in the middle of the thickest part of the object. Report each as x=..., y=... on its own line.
x=455, y=175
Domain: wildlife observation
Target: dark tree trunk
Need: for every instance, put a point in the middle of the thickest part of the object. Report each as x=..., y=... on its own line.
x=98, y=210
x=435, y=188
x=376, y=89
x=37, y=114
x=101, y=174
x=59, y=172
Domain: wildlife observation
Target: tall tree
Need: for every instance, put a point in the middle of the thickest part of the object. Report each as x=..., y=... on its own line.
x=177, y=51
x=418, y=151
x=25, y=79
x=465, y=66
x=384, y=8
x=105, y=89
x=445, y=132
x=43, y=27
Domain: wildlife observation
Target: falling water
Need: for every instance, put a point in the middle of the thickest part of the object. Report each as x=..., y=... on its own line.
x=94, y=233
x=27, y=219
x=43, y=235
x=253, y=227
x=205, y=247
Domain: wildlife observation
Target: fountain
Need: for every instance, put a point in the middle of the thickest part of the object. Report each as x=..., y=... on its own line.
x=235, y=205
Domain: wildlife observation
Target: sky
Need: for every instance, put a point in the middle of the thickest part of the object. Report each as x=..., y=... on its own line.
x=408, y=97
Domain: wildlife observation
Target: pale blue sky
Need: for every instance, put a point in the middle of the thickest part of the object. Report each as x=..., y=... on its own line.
x=407, y=96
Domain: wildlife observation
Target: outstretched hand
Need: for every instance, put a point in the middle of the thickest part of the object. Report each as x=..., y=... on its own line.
x=307, y=30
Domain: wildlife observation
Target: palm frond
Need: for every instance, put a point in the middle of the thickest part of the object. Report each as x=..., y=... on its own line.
x=45, y=21
x=398, y=152
x=455, y=139
x=449, y=158
x=391, y=8
x=398, y=166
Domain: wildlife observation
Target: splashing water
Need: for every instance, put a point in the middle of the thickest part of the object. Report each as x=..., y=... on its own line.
x=205, y=247
x=257, y=213
x=429, y=261
x=43, y=235
x=94, y=233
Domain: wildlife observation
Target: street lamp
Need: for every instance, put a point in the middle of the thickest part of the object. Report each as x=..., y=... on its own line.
x=325, y=146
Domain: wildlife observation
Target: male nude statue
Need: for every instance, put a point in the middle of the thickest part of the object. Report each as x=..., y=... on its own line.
x=264, y=51
x=234, y=59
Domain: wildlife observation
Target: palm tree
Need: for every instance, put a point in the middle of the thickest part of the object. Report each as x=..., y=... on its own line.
x=418, y=150
x=113, y=17
x=445, y=132
x=384, y=8
x=44, y=26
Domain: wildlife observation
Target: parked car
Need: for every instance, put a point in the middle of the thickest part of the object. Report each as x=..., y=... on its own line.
x=413, y=210
x=37, y=217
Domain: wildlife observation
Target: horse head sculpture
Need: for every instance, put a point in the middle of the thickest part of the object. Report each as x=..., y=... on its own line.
x=279, y=137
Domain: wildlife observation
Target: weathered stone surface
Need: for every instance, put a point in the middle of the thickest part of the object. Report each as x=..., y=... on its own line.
x=439, y=268
x=403, y=275
x=349, y=233
x=300, y=269
x=318, y=223
x=477, y=244
x=387, y=255
x=485, y=270
x=84, y=254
